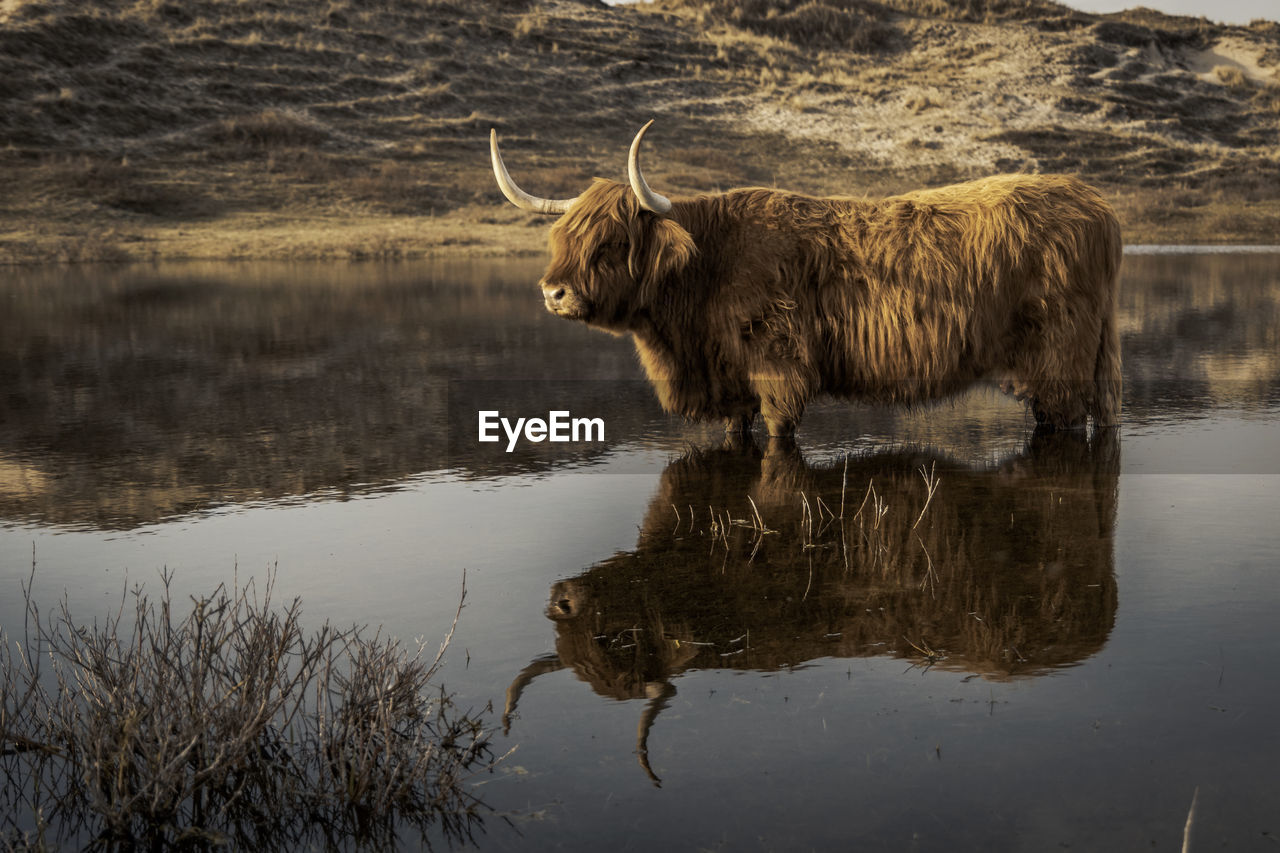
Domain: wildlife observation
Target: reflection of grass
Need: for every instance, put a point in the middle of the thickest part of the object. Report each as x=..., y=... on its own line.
x=819, y=526
x=863, y=537
x=227, y=725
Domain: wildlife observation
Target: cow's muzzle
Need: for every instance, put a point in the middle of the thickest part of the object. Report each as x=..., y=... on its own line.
x=553, y=296
x=561, y=300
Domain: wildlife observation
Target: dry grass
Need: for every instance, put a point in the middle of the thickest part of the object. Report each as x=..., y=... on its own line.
x=857, y=26
x=156, y=120
x=850, y=524
x=978, y=10
x=231, y=724
x=266, y=130
x=1233, y=78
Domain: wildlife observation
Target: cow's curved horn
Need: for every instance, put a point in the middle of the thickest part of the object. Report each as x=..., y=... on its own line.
x=649, y=199
x=514, y=194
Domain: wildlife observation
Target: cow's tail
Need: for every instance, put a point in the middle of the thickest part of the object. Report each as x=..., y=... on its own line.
x=1106, y=370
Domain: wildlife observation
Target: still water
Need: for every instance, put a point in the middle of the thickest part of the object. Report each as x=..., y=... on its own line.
x=926, y=631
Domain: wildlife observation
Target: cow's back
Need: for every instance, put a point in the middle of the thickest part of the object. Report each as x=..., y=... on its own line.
x=928, y=291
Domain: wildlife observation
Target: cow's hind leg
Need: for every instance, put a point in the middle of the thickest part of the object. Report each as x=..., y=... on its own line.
x=1105, y=402
x=1059, y=404
x=1074, y=389
x=1058, y=376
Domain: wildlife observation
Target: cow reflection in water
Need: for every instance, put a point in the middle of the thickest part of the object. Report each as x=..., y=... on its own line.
x=759, y=561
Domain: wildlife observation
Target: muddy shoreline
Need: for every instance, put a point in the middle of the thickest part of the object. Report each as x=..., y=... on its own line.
x=476, y=234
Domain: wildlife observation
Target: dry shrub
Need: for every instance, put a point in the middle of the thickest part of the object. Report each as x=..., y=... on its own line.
x=98, y=245
x=530, y=23
x=919, y=103
x=267, y=129
x=229, y=725
x=117, y=183
x=833, y=24
x=1268, y=97
x=923, y=8
x=707, y=157
x=827, y=25
x=976, y=10
x=1242, y=222
x=92, y=175
x=399, y=187
x=1233, y=77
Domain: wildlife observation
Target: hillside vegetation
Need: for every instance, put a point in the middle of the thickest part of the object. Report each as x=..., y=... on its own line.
x=135, y=129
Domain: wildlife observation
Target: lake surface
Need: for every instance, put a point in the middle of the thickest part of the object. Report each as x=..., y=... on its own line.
x=917, y=631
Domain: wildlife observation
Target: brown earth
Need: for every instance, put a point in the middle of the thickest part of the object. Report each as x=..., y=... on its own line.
x=139, y=129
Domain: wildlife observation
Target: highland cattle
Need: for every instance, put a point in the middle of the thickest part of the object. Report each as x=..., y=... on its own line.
x=756, y=301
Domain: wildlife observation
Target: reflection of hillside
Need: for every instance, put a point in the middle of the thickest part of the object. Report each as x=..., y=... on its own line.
x=1200, y=332
x=1008, y=573
x=130, y=396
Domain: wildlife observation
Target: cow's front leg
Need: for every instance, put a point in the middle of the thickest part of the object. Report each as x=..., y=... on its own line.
x=739, y=423
x=783, y=395
x=779, y=422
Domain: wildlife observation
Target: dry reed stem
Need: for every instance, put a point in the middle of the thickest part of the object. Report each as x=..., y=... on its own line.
x=1191, y=816
x=877, y=538
x=931, y=483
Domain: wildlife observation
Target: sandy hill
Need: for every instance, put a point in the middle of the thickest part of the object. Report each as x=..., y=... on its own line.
x=163, y=128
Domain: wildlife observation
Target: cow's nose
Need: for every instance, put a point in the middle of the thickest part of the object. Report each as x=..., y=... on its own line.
x=552, y=292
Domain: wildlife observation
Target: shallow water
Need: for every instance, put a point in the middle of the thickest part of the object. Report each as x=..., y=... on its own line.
x=1057, y=648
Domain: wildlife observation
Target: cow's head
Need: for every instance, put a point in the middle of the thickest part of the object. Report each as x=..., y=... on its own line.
x=612, y=246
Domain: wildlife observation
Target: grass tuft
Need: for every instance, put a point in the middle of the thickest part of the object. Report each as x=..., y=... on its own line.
x=829, y=24
x=268, y=129
x=1233, y=77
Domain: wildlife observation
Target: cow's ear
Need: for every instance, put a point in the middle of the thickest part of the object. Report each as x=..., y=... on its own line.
x=667, y=248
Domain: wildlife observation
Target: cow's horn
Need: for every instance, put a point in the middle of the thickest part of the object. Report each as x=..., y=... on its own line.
x=649, y=199
x=517, y=196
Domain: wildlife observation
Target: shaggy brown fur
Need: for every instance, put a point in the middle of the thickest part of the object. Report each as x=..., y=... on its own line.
x=758, y=300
